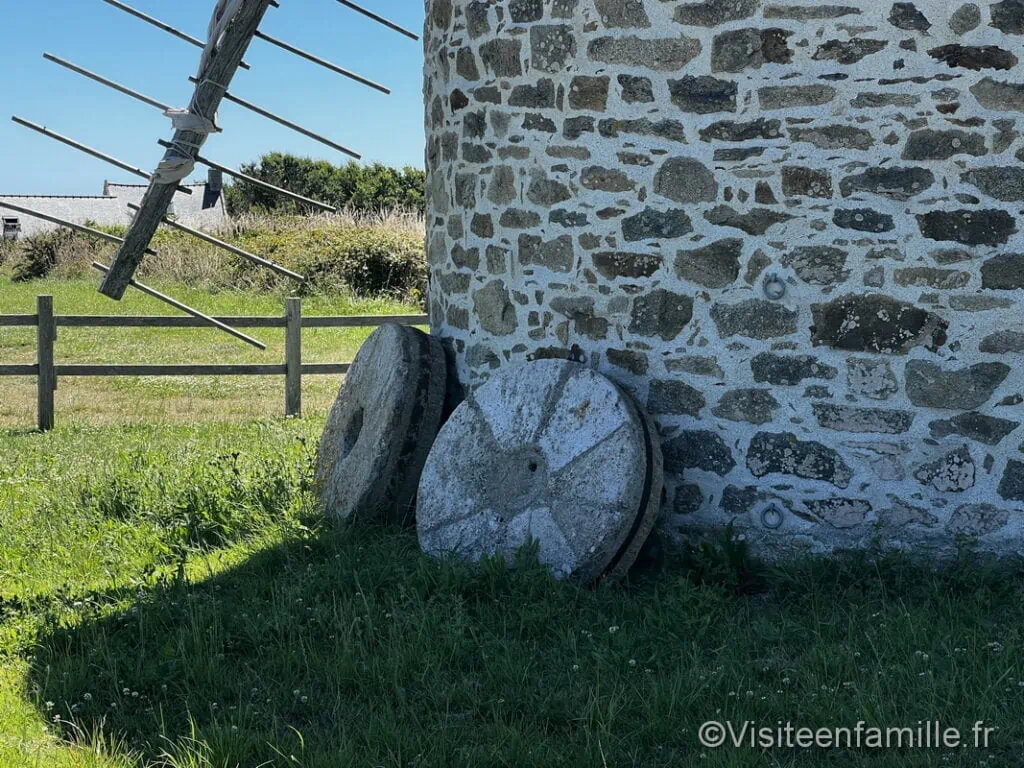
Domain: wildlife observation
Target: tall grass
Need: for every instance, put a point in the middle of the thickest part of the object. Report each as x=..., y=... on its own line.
x=404, y=222
x=8, y=250
x=365, y=253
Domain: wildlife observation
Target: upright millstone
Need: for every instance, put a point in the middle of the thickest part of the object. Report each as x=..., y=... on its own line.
x=550, y=451
x=793, y=229
x=381, y=427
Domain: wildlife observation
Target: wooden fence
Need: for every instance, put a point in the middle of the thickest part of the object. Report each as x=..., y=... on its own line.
x=47, y=372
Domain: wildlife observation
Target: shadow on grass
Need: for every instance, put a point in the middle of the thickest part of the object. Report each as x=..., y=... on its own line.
x=10, y=434
x=351, y=648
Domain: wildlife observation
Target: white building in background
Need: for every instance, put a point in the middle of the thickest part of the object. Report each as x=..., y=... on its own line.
x=203, y=209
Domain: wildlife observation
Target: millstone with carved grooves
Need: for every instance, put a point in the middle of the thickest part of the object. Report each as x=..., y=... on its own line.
x=550, y=451
x=382, y=425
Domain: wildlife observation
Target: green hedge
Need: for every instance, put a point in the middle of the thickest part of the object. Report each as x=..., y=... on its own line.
x=353, y=187
x=367, y=261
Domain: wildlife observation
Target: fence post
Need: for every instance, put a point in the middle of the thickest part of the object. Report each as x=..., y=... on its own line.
x=293, y=357
x=46, y=334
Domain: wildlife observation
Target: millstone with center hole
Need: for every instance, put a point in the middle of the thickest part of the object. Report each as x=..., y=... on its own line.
x=382, y=425
x=549, y=451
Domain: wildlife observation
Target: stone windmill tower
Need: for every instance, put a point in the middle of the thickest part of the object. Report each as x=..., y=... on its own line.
x=792, y=228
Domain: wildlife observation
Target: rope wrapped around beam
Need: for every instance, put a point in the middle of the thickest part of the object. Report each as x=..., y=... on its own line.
x=179, y=162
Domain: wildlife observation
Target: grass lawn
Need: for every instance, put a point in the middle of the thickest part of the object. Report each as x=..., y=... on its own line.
x=170, y=597
x=140, y=400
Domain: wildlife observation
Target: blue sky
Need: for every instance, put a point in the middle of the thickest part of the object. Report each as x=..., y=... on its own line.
x=103, y=39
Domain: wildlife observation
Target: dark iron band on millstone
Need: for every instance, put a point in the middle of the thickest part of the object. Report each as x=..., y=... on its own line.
x=368, y=467
x=646, y=516
x=424, y=423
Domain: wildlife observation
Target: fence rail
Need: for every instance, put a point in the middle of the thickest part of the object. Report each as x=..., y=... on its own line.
x=47, y=371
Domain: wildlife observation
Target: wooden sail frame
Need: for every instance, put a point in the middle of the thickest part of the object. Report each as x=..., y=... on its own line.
x=220, y=62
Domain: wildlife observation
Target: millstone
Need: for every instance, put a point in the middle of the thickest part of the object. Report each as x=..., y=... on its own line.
x=549, y=451
x=381, y=426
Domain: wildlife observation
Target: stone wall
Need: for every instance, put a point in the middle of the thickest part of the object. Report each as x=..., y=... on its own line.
x=791, y=228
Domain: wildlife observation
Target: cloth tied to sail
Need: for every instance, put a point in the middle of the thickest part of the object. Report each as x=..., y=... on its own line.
x=178, y=163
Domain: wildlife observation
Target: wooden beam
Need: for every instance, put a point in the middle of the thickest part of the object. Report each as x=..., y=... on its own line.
x=88, y=150
x=272, y=40
x=257, y=182
x=161, y=25
x=19, y=370
x=323, y=63
x=170, y=370
x=89, y=370
x=162, y=321
x=209, y=93
x=46, y=379
x=9, y=321
x=258, y=260
x=164, y=107
x=287, y=123
x=65, y=223
x=293, y=358
x=363, y=321
x=239, y=321
x=184, y=308
x=107, y=82
x=379, y=19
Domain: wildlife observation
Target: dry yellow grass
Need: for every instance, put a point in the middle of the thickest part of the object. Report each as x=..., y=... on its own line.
x=288, y=240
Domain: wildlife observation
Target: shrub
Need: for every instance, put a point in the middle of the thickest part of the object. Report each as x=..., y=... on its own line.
x=61, y=252
x=369, y=262
x=40, y=254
